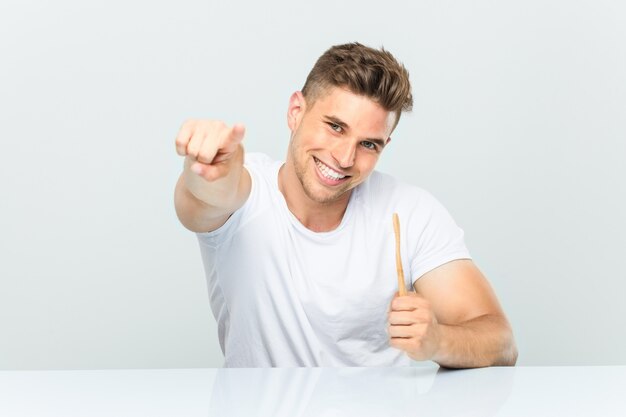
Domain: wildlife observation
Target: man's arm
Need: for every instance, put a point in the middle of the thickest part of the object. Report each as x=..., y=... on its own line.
x=454, y=319
x=214, y=182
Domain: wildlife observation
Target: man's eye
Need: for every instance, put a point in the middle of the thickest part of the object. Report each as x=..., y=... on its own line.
x=335, y=127
x=369, y=145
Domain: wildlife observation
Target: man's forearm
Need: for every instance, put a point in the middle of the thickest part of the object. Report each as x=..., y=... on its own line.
x=484, y=341
x=199, y=216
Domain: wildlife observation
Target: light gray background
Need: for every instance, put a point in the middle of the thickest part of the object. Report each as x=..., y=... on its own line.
x=518, y=128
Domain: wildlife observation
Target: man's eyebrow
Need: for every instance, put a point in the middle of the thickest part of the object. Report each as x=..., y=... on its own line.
x=379, y=142
x=337, y=121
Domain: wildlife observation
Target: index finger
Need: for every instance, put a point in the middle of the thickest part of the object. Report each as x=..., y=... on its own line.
x=233, y=138
x=229, y=142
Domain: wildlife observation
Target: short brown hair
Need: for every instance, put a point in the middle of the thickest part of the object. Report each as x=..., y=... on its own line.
x=365, y=71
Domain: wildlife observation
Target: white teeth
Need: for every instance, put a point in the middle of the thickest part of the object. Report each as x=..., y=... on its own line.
x=327, y=171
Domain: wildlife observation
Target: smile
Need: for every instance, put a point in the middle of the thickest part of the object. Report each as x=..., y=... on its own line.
x=327, y=171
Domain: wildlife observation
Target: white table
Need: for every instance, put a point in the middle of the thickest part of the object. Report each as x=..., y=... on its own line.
x=319, y=392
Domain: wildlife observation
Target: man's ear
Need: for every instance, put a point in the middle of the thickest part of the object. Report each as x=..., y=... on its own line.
x=297, y=107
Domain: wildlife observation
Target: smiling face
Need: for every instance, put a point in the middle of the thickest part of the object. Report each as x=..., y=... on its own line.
x=335, y=143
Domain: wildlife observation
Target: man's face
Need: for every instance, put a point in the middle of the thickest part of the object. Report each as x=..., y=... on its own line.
x=336, y=142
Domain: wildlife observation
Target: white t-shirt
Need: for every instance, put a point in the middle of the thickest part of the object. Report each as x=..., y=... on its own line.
x=284, y=295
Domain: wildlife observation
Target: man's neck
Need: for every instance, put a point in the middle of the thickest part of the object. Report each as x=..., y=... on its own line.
x=317, y=217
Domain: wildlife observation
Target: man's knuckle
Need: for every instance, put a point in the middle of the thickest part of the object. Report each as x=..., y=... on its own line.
x=188, y=124
x=192, y=150
x=202, y=156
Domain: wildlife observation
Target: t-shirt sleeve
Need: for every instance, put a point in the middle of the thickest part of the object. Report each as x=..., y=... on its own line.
x=437, y=237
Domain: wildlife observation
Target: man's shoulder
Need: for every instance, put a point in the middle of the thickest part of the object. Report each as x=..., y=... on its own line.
x=260, y=165
x=383, y=194
x=258, y=159
x=381, y=185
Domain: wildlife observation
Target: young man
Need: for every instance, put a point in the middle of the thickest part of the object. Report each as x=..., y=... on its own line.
x=300, y=256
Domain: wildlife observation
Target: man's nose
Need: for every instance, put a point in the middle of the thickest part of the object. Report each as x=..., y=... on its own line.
x=344, y=153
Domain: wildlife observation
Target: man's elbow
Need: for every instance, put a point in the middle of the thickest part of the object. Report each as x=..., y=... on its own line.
x=508, y=358
x=508, y=351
